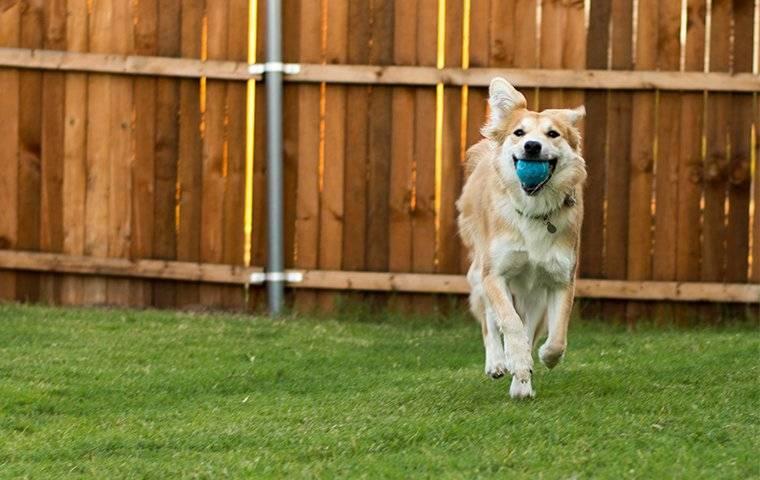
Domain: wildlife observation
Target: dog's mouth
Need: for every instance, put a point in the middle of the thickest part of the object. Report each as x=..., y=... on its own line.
x=534, y=173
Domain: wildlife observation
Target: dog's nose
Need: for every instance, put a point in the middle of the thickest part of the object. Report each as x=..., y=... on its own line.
x=532, y=147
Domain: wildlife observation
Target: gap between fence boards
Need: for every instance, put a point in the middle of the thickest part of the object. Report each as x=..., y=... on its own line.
x=372, y=74
x=369, y=281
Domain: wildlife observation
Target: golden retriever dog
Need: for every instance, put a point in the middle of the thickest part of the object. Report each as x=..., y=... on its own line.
x=520, y=216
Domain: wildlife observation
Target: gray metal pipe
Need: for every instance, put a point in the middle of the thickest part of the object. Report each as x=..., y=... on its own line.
x=273, y=79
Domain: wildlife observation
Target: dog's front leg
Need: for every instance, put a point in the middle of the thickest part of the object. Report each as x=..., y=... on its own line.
x=560, y=307
x=517, y=348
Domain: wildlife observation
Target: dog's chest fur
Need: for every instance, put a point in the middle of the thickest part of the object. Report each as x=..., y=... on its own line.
x=529, y=257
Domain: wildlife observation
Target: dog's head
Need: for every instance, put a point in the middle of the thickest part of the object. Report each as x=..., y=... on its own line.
x=539, y=152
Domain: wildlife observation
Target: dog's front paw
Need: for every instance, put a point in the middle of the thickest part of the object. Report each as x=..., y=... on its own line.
x=496, y=367
x=521, y=387
x=551, y=355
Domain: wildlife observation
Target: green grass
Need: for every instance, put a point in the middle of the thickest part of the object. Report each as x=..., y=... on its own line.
x=120, y=394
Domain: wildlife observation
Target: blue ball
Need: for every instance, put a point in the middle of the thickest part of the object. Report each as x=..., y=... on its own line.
x=532, y=173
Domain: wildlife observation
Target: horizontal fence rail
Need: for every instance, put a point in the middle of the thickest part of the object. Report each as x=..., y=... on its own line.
x=377, y=74
x=360, y=281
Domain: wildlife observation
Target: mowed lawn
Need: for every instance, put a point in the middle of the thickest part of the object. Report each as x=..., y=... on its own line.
x=122, y=394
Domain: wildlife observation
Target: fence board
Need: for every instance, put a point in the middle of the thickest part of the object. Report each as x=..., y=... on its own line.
x=355, y=186
x=619, y=156
x=668, y=153
x=331, y=207
x=449, y=252
x=379, y=140
x=308, y=141
x=739, y=174
x=595, y=150
x=75, y=151
x=234, y=193
x=189, y=168
x=53, y=100
x=145, y=221
x=166, y=148
x=717, y=131
x=98, y=151
x=402, y=169
x=30, y=136
x=9, y=103
x=688, y=231
x=642, y=154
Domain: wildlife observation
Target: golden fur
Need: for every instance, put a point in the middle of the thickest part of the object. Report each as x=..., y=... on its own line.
x=522, y=275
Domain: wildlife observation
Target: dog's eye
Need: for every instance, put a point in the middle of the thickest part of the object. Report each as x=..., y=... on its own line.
x=519, y=132
x=552, y=134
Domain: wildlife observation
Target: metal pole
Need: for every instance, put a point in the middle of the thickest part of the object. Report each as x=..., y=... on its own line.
x=273, y=78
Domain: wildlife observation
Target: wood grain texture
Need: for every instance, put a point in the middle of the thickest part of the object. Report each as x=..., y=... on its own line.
x=688, y=231
x=739, y=172
x=308, y=141
x=668, y=153
x=9, y=103
x=29, y=148
x=332, y=202
x=144, y=221
x=366, y=281
x=642, y=159
x=166, y=149
x=51, y=150
x=189, y=168
x=450, y=251
x=595, y=150
x=75, y=151
x=618, y=158
x=235, y=138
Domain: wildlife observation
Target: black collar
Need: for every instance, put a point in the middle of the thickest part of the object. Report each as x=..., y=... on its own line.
x=569, y=202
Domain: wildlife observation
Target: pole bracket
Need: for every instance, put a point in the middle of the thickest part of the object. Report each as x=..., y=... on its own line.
x=292, y=276
x=271, y=67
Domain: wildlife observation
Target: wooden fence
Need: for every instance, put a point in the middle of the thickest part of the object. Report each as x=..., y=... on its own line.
x=134, y=131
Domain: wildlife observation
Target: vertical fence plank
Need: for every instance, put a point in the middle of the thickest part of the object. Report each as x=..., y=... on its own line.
x=98, y=151
x=234, y=192
x=642, y=158
x=75, y=151
x=401, y=188
x=120, y=183
x=449, y=245
x=189, y=168
x=214, y=154
x=30, y=136
x=553, y=19
x=308, y=141
x=257, y=296
x=424, y=213
x=379, y=141
x=331, y=207
x=53, y=101
x=145, y=207
x=166, y=149
x=618, y=157
x=356, y=145
x=690, y=159
x=739, y=174
x=595, y=153
x=718, y=130
x=9, y=104
x=668, y=153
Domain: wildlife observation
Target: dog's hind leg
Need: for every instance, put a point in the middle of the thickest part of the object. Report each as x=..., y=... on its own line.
x=558, y=315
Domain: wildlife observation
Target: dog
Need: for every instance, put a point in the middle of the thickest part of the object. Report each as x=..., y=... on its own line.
x=520, y=215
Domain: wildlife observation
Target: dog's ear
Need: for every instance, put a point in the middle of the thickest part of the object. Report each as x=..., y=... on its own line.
x=503, y=99
x=570, y=115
